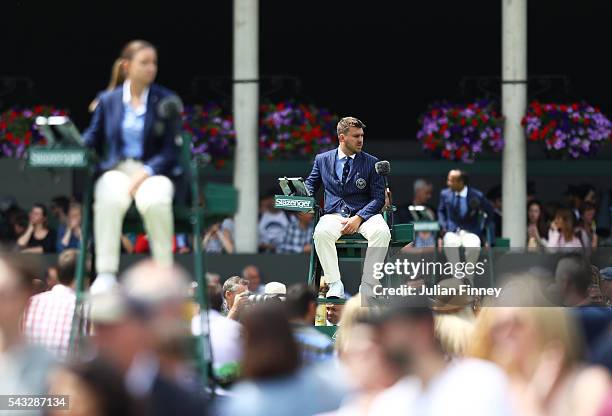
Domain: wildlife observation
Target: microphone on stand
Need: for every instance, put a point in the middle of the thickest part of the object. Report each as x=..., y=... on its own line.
x=170, y=108
x=383, y=168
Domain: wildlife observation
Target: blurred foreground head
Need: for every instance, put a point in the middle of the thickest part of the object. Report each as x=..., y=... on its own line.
x=15, y=290
x=270, y=349
x=143, y=314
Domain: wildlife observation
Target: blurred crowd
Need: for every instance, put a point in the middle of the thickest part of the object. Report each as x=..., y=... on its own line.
x=578, y=219
x=143, y=348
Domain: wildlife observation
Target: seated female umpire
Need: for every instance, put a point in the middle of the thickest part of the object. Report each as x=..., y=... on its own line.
x=135, y=139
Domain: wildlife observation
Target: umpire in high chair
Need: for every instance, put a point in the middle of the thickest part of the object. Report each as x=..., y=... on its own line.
x=354, y=197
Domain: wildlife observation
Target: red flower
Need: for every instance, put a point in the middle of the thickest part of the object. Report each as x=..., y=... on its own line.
x=474, y=122
x=575, y=107
x=214, y=131
x=533, y=136
x=220, y=163
x=445, y=154
x=462, y=121
x=38, y=109
x=280, y=106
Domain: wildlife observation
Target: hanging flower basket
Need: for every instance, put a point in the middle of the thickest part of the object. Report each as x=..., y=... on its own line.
x=212, y=132
x=567, y=131
x=461, y=132
x=18, y=130
x=294, y=130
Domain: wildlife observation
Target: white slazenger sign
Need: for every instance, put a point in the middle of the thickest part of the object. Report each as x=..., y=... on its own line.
x=294, y=203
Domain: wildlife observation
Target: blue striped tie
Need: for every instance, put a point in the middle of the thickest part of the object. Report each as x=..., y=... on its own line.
x=346, y=170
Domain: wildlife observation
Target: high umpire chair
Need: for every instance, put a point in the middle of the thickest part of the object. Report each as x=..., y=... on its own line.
x=349, y=247
x=65, y=150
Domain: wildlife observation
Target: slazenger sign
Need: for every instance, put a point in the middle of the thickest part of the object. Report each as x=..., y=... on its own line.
x=293, y=203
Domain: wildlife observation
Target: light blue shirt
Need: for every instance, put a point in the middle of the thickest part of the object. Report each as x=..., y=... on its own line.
x=340, y=161
x=132, y=125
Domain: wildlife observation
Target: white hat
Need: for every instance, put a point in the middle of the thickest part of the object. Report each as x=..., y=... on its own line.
x=275, y=288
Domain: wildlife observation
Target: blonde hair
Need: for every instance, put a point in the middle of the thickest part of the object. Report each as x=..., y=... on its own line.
x=347, y=122
x=351, y=312
x=454, y=330
x=553, y=325
x=117, y=72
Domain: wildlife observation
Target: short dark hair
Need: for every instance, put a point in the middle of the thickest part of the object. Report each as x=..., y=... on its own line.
x=215, y=296
x=66, y=266
x=61, y=202
x=270, y=347
x=299, y=297
x=577, y=270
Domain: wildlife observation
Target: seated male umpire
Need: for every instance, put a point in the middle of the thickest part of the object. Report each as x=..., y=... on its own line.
x=460, y=216
x=354, y=197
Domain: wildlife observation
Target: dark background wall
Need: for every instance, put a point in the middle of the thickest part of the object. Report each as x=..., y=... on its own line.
x=382, y=61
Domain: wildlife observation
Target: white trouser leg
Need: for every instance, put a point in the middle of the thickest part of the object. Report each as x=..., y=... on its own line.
x=376, y=231
x=471, y=242
x=111, y=201
x=451, y=244
x=154, y=202
x=326, y=233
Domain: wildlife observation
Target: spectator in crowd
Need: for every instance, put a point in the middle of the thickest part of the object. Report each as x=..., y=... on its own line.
x=333, y=313
x=371, y=371
x=587, y=224
x=563, y=232
x=252, y=275
x=275, y=383
x=459, y=215
x=95, y=388
x=606, y=284
x=539, y=348
x=464, y=386
x=24, y=368
x=352, y=311
x=38, y=238
x=47, y=320
x=298, y=236
x=272, y=226
x=537, y=227
x=69, y=232
x=142, y=244
x=8, y=213
x=301, y=307
x=495, y=198
x=132, y=324
x=454, y=318
x=219, y=238
x=51, y=277
x=572, y=279
x=235, y=291
x=420, y=211
x=60, y=206
x=225, y=337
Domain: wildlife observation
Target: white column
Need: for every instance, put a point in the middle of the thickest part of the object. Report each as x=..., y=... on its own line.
x=246, y=104
x=514, y=103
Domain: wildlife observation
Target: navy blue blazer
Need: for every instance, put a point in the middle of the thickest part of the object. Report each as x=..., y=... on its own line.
x=363, y=193
x=160, y=151
x=451, y=220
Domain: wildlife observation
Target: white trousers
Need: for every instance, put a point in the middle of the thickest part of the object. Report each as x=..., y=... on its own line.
x=327, y=232
x=112, y=200
x=452, y=242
